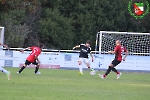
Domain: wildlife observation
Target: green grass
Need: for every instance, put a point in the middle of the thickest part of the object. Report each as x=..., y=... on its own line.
x=56, y=84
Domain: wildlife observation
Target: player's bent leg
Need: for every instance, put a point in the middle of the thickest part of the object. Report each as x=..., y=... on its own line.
x=3, y=70
x=36, y=70
x=88, y=65
x=37, y=67
x=8, y=74
x=87, y=62
x=111, y=66
x=115, y=63
x=117, y=72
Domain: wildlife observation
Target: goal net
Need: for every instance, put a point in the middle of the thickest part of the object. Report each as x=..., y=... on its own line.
x=136, y=43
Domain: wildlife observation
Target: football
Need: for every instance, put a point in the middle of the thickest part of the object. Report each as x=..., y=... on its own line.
x=92, y=72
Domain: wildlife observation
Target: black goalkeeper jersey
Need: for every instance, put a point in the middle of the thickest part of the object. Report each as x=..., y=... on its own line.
x=84, y=51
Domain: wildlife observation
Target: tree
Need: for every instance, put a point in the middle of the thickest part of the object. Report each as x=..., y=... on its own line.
x=19, y=19
x=61, y=24
x=55, y=31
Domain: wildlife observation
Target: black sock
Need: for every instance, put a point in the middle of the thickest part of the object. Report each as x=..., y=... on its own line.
x=114, y=69
x=36, y=69
x=22, y=68
x=108, y=70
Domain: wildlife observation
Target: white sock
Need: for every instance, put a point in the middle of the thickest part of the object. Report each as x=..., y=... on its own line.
x=80, y=69
x=3, y=70
x=91, y=69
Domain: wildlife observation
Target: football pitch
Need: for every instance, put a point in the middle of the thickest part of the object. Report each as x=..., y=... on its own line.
x=58, y=84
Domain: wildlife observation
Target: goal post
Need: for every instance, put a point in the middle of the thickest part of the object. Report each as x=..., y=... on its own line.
x=2, y=35
x=136, y=43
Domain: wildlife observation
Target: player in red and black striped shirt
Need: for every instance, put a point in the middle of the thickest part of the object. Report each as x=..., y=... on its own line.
x=118, y=51
x=32, y=58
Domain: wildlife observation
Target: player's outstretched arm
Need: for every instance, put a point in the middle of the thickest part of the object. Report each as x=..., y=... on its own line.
x=28, y=48
x=126, y=54
x=112, y=52
x=4, y=46
x=78, y=46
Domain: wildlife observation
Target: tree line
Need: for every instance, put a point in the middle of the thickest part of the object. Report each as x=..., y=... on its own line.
x=61, y=24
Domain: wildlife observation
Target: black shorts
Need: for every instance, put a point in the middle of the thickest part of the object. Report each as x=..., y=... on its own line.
x=28, y=62
x=115, y=62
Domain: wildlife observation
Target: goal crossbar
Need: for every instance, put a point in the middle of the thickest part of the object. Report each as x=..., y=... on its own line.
x=123, y=33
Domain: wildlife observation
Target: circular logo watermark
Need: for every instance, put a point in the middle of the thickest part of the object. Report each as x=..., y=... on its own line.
x=138, y=9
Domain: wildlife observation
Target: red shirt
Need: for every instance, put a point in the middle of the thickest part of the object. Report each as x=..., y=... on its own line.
x=119, y=49
x=36, y=51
